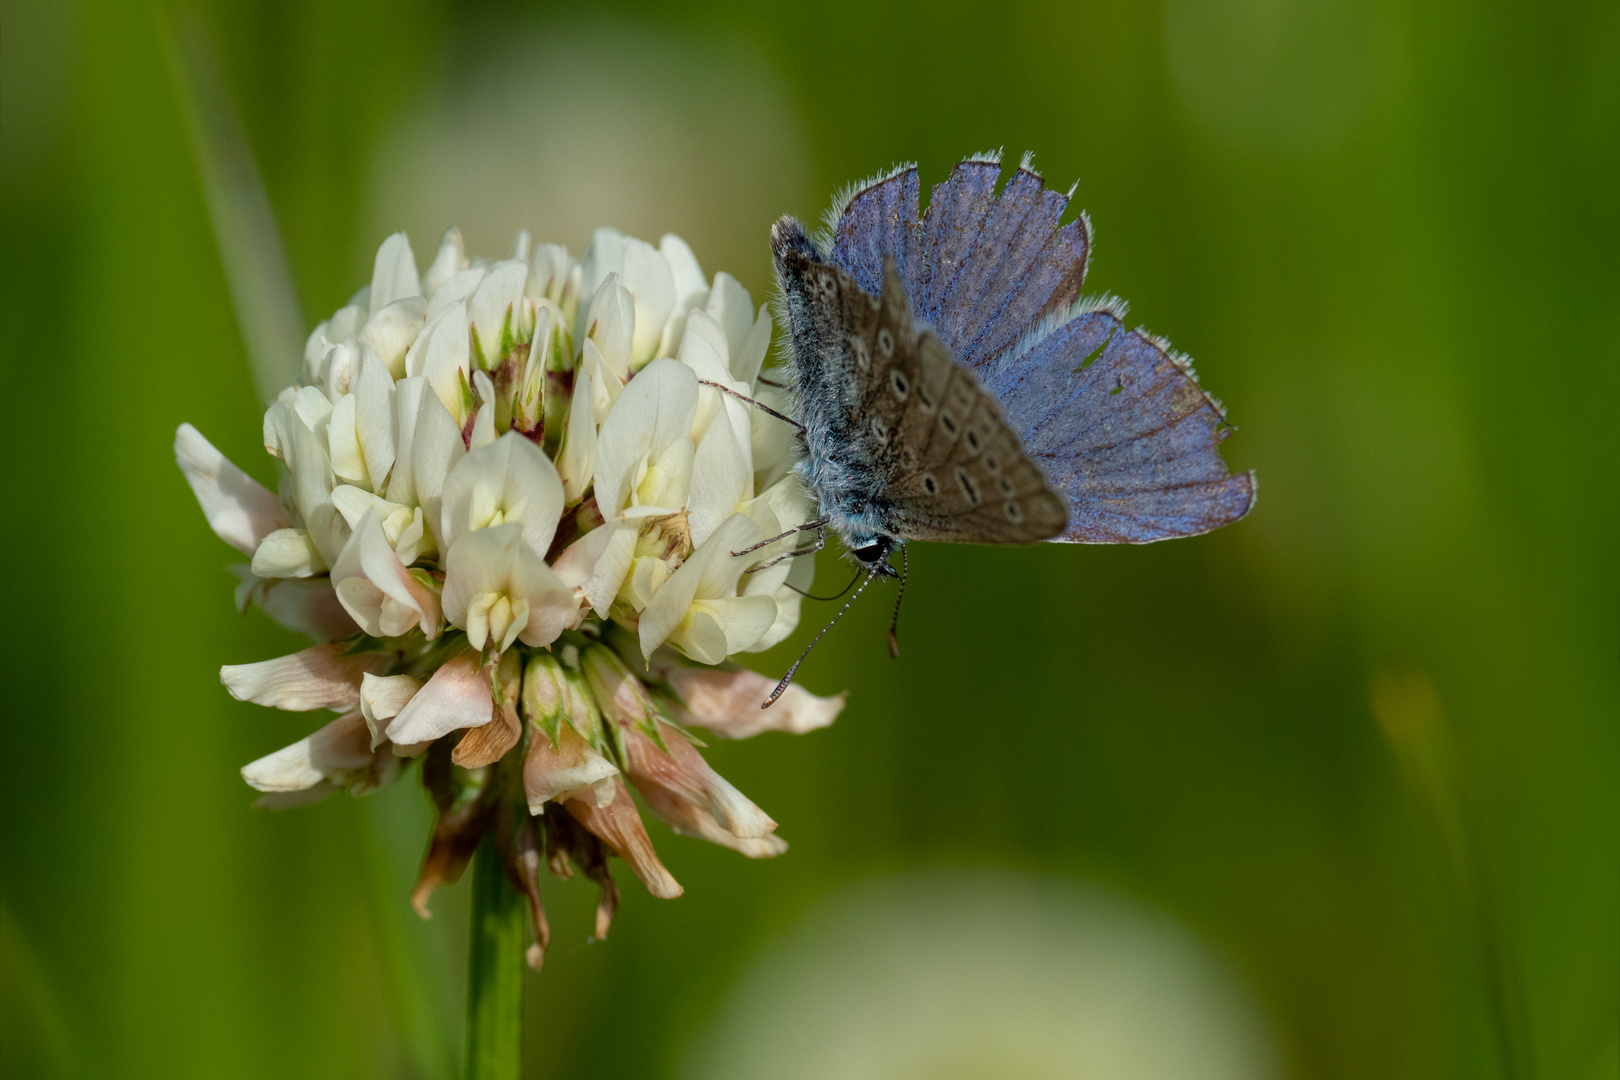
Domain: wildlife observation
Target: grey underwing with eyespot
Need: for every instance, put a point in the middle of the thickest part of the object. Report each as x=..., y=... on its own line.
x=954, y=386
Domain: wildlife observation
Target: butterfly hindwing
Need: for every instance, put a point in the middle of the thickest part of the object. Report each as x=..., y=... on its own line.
x=953, y=470
x=1120, y=425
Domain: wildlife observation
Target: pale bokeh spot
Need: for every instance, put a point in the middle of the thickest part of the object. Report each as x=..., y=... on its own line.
x=561, y=129
x=985, y=976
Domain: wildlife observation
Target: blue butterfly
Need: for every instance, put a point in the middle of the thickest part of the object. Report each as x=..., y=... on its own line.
x=953, y=385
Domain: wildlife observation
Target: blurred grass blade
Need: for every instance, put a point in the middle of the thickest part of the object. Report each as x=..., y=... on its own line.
x=266, y=304
x=256, y=270
x=412, y=975
x=1407, y=707
x=35, y=1036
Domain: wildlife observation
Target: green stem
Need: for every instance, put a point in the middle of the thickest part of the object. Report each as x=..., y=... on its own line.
x=494, y=972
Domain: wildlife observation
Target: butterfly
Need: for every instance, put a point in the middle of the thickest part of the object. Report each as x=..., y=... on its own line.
x=953, y=385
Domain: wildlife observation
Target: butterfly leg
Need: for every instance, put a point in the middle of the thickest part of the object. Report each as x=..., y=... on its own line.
x=819, y=523
x=821, y=542
x=746, y=400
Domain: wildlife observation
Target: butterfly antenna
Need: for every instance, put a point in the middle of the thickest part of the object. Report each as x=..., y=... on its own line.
x=894, y=623
x=783, y=685
x=835, y=595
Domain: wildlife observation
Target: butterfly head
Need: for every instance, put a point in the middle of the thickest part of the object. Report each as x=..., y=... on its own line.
x=874, y=555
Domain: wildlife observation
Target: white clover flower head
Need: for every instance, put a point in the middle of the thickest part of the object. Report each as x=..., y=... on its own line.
x=509, y=500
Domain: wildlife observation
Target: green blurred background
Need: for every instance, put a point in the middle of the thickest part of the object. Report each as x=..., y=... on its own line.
x=1387, y=231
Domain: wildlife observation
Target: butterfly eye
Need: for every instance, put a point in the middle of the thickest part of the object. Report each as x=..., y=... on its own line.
x=885, y=341
x=899, y=383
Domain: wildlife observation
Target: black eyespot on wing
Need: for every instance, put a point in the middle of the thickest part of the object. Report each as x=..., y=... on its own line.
x=948, y=422
x=899, y=383
x=970, y=486
x=929, y=484
x=885, y=342
x=1014, y=512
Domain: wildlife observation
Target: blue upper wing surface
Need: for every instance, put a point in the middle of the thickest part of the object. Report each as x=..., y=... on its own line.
x=1118, y=423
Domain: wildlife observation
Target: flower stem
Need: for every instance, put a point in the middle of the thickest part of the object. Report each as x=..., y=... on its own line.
x=494, y=972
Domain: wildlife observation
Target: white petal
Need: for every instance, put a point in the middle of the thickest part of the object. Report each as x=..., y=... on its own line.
x=743, y=619
x=549, y=267
x=615, y=547
x=683, y=266
x=710, y=571
x=555, y=772
x=788, y=604
x=667, y=481
x=445, y=358
x=611, y=323
x=374, y=416
x=348, y=463
x=376, y=588
x=407, y=406
x=483, y=427
x=393, y=330
x=287, y=553
x=307, y=606
x=240, y=510
x=393, y=275
x=647, y=275
x=510, y=480
x=721, y=481
x=576, y=461
x=603, y=256
x=312, y=491
x=457, y=696
x=455, y=289
x=339, y=747
x=749, y=357
x=479, y=563
x=491, y=304
x=449, y=260
x=654, y=410
x=320, y=677
x=315, y=347
x=338, y=367
x=381, y=699
x=704, y=350
x=436, y=447
x=700, y=636
x=733, y=309
x=347, y=320
x=727, y=703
